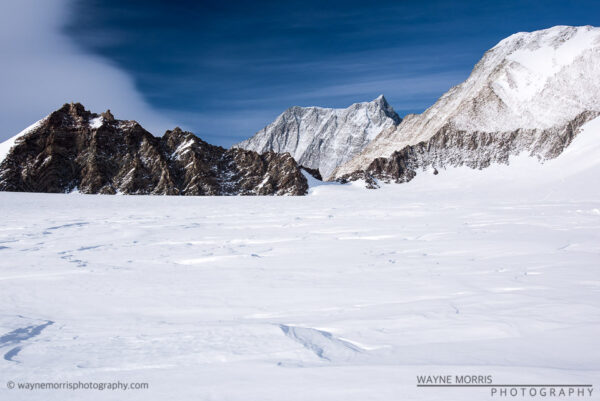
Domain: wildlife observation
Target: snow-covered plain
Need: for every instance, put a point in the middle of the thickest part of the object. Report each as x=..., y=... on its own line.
x=346, y=294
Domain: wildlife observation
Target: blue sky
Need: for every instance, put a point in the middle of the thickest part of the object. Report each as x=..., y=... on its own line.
x=226, y=69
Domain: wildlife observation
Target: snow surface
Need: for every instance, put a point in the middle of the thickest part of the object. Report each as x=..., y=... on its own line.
x=183, y=148
x=7, y=145
x=96, y=123
x=547, y=56
x=346, y=294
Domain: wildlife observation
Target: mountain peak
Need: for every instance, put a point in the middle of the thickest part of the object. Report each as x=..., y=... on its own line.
x=530, y=82
x=380, y=99
x=73, y=109
x=323, y=138
x=69, y=113
x=108, y=116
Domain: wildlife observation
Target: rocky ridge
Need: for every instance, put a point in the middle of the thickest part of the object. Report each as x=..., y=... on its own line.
x=454, y=148
x=74, y=149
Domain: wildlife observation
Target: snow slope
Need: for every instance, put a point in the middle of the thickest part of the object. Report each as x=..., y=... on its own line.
x=9, y=143
x=347, y=293
x=540, y=80
x=323, y=138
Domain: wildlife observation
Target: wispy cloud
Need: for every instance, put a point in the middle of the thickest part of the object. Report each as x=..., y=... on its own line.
x=41, y=69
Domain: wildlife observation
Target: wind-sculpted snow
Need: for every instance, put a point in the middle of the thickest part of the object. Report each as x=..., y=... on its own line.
x=343, y=294
x=322, y=138
x=322, y=343
x=534, y=82
x=19, y=336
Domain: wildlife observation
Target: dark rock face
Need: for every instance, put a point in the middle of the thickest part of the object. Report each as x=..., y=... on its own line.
x=313, y=172
x=370, y=181
x=76, y=149
x=451, y=148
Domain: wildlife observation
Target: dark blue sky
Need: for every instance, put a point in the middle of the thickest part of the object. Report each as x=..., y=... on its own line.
x=226, y=69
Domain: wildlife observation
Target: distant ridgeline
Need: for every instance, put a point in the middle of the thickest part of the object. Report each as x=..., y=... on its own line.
x=531, y=93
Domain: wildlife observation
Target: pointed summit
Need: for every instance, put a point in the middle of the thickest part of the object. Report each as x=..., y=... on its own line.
x=323, y=138
x=380, y=99
x=108, y=116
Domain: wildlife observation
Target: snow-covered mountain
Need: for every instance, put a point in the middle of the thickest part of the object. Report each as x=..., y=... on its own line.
x=74, y=149
x=531, y=92
x=324, y=138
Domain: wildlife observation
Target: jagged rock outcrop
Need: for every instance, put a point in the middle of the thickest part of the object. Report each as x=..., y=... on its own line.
x=74, y=149
x=322, y=138
x=524, y=95
x=453, y=148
